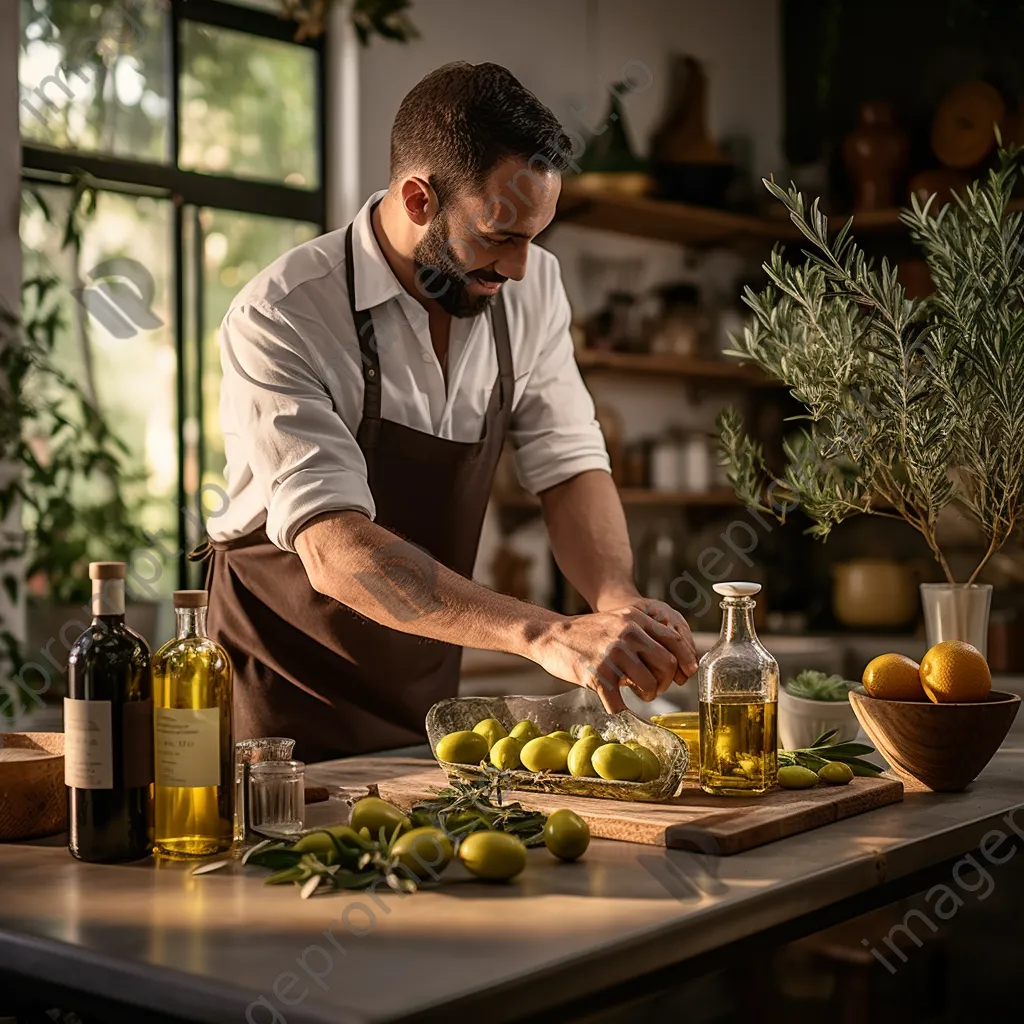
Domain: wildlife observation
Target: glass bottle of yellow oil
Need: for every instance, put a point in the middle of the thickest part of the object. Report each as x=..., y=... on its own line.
x=193, y=748
x=738, y=691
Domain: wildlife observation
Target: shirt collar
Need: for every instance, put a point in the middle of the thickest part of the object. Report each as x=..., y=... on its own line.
x=375, y=280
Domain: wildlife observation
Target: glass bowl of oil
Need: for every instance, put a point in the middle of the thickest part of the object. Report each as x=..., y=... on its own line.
x=686, y=725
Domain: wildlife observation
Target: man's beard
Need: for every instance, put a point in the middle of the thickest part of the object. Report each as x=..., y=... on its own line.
x=441, y=276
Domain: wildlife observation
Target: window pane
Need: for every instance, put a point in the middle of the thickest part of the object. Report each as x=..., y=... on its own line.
x=236, y=246
x=116, y=342
x=248, y=106
x=93, y=76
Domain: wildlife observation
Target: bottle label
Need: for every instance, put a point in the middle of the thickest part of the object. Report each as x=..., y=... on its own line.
x=88, y=752
x=187, y=746
x=137, y=721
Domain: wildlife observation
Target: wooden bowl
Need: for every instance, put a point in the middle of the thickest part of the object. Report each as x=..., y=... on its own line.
x=942, y=746
x=33, y=800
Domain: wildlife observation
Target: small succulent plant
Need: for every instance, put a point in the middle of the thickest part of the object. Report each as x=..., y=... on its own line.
x=811, y=685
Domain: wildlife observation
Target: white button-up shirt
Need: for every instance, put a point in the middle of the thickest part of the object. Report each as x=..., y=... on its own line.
x=292, y=392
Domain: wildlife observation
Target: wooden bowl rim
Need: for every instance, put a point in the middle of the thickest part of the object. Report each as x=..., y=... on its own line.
x=817, y=703
x=996, y=698
x=28, y=741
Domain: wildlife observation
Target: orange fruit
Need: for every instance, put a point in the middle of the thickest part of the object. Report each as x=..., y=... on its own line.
x=954, y=672
x=893, y=677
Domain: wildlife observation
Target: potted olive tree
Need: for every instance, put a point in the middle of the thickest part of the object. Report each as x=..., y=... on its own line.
x=911, y=406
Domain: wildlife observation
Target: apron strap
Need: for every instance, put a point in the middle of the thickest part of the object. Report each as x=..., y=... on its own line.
x=505, y=384
x=368, y=355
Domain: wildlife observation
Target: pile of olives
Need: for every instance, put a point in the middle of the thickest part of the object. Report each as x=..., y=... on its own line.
x=582, y=752
x=492, y=855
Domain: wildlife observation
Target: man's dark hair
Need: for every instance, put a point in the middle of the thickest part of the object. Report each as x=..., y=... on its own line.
x=463, y=119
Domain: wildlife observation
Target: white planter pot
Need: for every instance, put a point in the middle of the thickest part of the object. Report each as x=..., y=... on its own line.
x=802, y=721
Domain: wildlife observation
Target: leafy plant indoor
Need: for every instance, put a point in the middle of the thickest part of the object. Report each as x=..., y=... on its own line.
x=55, y=439
x=812, y=685
x=910, y=405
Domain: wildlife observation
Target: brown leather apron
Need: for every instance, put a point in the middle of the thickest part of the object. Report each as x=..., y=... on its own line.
x=311, y=668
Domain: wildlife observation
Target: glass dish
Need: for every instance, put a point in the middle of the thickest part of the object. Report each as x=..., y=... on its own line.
x=578, y=707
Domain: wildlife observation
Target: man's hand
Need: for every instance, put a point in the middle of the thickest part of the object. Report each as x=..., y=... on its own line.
x=607, y=649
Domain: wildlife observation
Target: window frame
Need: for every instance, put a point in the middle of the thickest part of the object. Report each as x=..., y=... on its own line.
x=196, y=190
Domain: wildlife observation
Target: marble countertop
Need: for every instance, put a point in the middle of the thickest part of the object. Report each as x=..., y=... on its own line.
x=218, y=947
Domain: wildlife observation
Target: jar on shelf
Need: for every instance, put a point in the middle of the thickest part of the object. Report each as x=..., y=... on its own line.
x=683, y=324
x=666, y=463
x=696, y=472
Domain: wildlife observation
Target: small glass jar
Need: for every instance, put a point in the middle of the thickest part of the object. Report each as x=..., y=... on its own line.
x=247, y=753
x=738, y=691
x=277, y=796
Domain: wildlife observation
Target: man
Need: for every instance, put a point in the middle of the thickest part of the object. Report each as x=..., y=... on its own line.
x=371, y=377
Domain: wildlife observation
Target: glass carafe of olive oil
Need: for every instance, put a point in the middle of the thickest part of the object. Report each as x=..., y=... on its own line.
x=194, y=752
x=738, y=688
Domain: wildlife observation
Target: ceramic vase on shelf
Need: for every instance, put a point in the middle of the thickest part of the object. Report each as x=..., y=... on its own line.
x=957, y=611
x=875, y=154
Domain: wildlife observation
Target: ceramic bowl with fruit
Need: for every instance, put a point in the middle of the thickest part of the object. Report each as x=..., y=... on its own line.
x=566, y=744
x=937, y=723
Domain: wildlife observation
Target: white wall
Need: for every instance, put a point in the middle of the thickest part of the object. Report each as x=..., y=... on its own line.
x=568, y=52
x=567, y=56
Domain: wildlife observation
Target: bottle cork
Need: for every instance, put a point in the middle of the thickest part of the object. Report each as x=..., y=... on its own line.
x=107, y=570
x=191, y=598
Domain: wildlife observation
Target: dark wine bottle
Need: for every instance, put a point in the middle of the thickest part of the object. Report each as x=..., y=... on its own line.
x=108, y=730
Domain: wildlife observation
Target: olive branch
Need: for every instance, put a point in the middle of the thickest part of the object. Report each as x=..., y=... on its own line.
x=910, y=405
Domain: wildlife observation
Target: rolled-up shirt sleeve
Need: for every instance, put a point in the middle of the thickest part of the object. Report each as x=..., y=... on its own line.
x=303, y=457
x=553, y=429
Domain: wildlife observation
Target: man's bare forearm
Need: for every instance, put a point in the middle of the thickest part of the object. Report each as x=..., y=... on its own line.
x=385, y=578
x=587, y=529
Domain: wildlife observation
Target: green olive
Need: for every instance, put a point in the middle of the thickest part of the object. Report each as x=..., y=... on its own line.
x=491, y=729
x=505, y=754
x=375, y=814
x=545, y=754
x=494, y=856
x=616, y=762
x=423, y=852
x=649, y=760
x=566, y=835
x=524, y=731
x=836, y=773
x=580, y=756
x=795, y=776
x=320, y=843
x=464, y=747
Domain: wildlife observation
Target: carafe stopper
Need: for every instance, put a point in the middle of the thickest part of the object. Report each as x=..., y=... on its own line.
x=736, y=589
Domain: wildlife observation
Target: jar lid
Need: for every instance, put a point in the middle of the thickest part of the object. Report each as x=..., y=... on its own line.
x=107, y=570
x=736, y=589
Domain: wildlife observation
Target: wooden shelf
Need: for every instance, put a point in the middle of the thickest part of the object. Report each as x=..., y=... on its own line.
x=639, y=496
x=663, y=365
x=885, y=221
x=684, y=224
x=663, y=220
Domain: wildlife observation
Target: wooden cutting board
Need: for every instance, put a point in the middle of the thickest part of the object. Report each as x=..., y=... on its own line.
x=690, y=821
